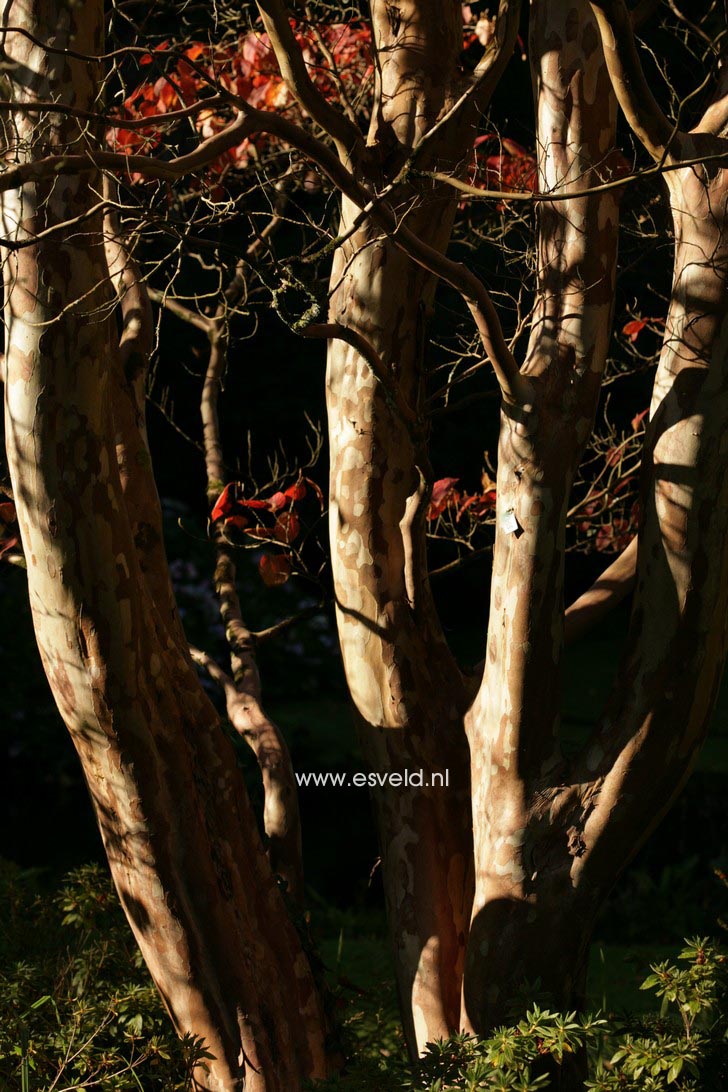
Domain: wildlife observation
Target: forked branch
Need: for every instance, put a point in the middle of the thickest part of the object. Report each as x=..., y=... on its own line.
x=337, y=125
x=633, y=92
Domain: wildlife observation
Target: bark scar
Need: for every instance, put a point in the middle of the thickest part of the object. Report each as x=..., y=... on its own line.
x=575, y=842
x=394, y=14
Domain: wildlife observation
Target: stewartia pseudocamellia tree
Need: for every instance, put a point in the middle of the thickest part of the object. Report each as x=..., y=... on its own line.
x=109, y=143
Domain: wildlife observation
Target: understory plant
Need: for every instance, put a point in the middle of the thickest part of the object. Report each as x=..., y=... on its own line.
x=78, y=1010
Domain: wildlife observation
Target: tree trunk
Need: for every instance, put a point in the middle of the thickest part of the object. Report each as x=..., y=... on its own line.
x=405, y=685
x=526, y=923
x=495, y=879
x=552, y=836
x=179, y=832
x=408, y=693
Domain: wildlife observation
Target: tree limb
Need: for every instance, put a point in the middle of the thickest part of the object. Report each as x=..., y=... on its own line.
x=243, y=697
x=249, y=120
x=130, y=368
x=357, y=341
x=607, y=591
x=341, y=129
x=634, y=95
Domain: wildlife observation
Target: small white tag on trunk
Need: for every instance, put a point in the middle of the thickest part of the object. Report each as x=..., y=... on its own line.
x=509, y=523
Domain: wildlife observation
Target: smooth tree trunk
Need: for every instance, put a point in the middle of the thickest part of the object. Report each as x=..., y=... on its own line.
x=552, y=836
x=526, y=926
x=408, y=693
x=180, y=836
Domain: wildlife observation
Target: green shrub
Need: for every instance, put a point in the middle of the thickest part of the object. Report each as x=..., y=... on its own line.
x=78, y=1011
x=682, y=1047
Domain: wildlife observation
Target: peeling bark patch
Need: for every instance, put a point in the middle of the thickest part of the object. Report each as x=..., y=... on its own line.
x=575, y=842
x=394, y=15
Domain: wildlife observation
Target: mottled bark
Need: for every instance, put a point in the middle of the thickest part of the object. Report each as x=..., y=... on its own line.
x=517, y=866
x=659, y=713
x=523, y=925
x=551, y=836
x=242, y=689
x=403, y=682
x=405, y=685
x=408, y=693
x=179, y=832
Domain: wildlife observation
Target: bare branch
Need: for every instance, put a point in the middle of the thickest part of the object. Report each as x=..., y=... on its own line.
x=206, y=152
x=639, y=105
x=186, y=314
x=280, y=811
x=261, y=635
x=615, y=583
x=250, y=120
x=338, y=126
x=555, y=197
x=149, y=122
x=243, y=696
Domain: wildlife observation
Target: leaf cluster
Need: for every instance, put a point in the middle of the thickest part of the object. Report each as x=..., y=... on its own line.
x=79, y=1009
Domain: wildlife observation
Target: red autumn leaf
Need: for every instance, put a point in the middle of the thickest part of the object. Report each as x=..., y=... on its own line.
x=287, y=527
x=224, y=503
x=605, y=537
x=512, y=167
x=297, y=491
x=147, y=58
x=248, y=69
x=638, y=419
x=289, y=496
x=633, y=329
x=467, y=501
x=623, y=484
x=614, y=536
x=618, y=166
x=443, y=492
x=8, y=544
x=484, y=503
x=237, y=521
x=274, y=569
x=7, y=512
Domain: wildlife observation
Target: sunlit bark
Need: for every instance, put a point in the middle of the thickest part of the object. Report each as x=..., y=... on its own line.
x=497, y=877
x=178, y=830
x=524, y=923
x=406, y=687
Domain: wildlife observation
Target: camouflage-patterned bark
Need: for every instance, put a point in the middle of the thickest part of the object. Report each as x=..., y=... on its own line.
x=179, y=832
x=551, y=835
x=522, y=859
x=407, y=690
